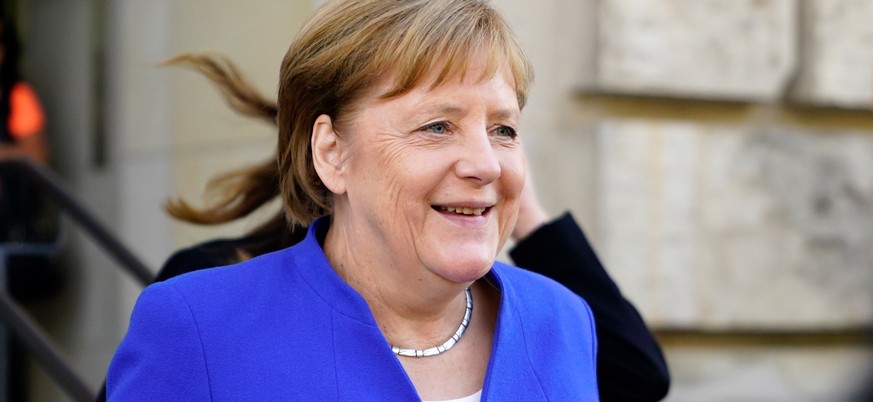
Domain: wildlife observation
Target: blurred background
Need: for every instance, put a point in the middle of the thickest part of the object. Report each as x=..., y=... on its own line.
x=719, y=154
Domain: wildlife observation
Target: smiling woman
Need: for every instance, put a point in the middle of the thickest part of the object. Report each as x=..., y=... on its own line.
x=395, y=173
x=399, y=147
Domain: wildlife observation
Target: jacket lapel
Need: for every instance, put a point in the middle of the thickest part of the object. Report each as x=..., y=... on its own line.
x=510, y=375
x=366, y=369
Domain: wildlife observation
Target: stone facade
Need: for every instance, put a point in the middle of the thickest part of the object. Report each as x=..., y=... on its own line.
x=745, y=217
x=837, y=56
x=773, y=373
x=713, y=49
x=720, y=227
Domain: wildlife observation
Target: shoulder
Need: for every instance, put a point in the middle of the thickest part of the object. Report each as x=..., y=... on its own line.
x=177, y=325
x=162, y=345
x=242, y=293
x=261, y=282
x=265, y=271
x=211, y=295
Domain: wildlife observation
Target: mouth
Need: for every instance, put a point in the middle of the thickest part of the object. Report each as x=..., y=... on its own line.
x=469, y=211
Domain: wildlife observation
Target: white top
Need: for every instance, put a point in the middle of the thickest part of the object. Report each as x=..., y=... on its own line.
x=472, y=398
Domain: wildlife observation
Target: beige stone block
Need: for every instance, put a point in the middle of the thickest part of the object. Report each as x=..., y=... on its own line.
x=759, y=373
x=254, y=35
x=713, y=49
x=837, y=58
x=137, y=90
x=717, y=227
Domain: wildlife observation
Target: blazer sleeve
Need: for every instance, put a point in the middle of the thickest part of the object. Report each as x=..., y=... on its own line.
x=161, y=358
x=630, y=364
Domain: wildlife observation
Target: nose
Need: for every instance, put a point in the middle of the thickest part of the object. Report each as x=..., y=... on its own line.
x=478, y=159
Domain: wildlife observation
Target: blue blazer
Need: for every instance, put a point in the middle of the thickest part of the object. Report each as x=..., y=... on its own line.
x=284, y=326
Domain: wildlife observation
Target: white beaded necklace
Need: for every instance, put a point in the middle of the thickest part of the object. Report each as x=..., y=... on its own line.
x=409, y=352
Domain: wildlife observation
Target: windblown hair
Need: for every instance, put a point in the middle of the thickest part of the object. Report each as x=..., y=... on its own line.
x=237, y=193
x=240, y=192
x=347, y=48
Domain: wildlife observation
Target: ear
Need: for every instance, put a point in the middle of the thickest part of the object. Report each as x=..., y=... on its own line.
x=327, y=155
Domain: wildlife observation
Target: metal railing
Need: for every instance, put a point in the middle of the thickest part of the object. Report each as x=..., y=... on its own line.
x=16, y=319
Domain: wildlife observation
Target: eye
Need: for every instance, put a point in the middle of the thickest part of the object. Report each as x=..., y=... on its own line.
x=505, y=131
x=439, y=127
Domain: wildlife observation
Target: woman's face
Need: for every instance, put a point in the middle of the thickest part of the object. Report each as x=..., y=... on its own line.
x=432, y=178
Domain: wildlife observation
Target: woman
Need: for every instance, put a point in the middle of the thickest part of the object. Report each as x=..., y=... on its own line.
x=398, y=143
x=630, y=365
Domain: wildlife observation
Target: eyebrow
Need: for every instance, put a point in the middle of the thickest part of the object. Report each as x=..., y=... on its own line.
x=451, y=110
x=504, y=114
x=443, y=109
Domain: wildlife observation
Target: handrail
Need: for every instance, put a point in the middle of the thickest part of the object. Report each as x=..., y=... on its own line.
x=52, y=186
x=42, y=349
x=33, y=338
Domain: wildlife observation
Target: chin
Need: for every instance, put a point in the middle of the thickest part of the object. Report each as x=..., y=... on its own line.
x=465, y=270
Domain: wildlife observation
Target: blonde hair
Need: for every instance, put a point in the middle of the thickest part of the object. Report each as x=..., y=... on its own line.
x=348, y=46
x=345, y=49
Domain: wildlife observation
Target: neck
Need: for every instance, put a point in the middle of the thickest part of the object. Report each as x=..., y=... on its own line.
x=413, y=307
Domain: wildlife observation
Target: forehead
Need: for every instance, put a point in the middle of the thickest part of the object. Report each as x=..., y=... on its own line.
x=479, y=71
x=497, y=92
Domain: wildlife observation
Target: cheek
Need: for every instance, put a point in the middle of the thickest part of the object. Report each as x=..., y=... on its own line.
x=513, y=173
x=399, y=172
x=389, y=154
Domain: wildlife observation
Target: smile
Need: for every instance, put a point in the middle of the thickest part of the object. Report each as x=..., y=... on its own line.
x=463, y=210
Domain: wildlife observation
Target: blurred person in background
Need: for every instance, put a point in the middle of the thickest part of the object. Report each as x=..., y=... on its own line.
x=21, y=136
x=26, y=217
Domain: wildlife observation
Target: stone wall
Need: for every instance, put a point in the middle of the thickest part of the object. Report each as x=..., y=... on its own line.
x=720, y=155
x=745, y=223
x=836, y=67
x=721, y=227
x=712, y=49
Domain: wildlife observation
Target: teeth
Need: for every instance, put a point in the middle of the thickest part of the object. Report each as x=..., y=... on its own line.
x=464, y=210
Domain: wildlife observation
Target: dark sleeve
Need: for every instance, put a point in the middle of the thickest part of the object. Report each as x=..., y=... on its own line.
x=221, y=252
x=211, y=254
x=188, y=260
x=630, y=365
